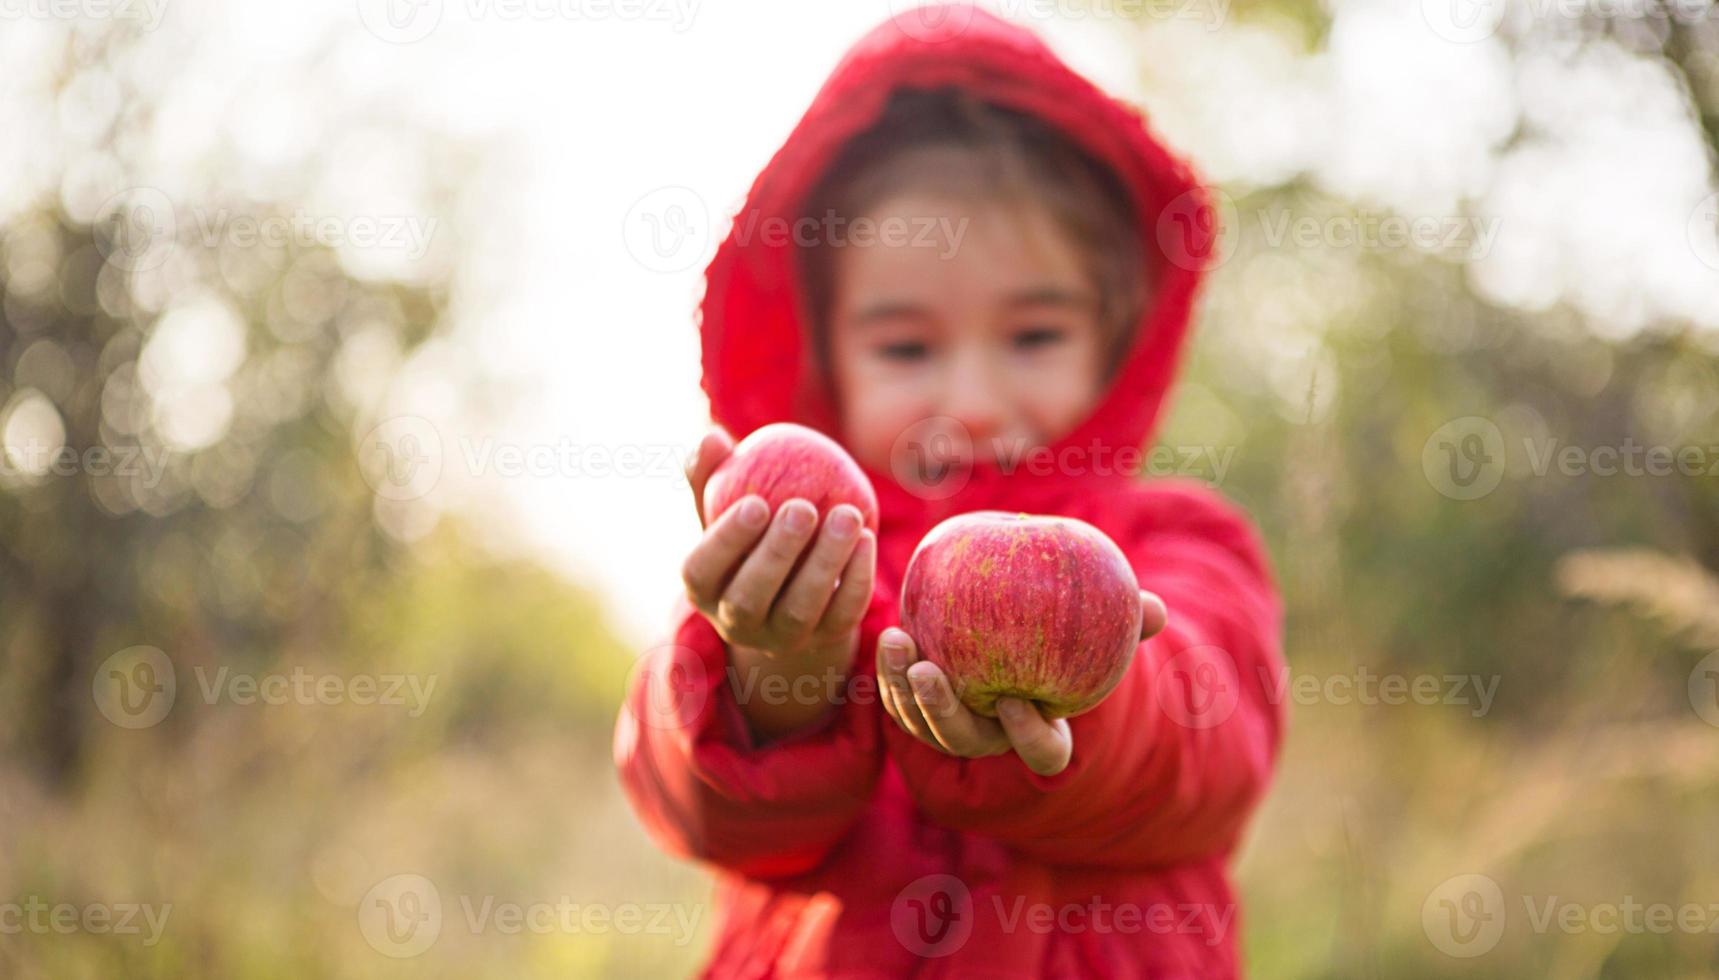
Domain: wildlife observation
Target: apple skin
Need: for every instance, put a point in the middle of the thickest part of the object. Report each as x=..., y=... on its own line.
x=1042, y=608
x=782, y=461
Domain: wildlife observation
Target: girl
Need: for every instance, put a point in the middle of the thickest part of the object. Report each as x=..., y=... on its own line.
x=866, y=823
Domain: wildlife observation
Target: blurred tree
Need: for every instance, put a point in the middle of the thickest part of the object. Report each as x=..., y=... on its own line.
x=185, y=387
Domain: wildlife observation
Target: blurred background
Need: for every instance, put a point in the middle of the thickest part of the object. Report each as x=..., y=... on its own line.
x=347, y=364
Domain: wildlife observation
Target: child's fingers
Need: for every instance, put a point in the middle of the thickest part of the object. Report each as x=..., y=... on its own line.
x=958, y=730
x=724, y=542
x=886, y=694
x=706, y=457
x=1045, y=746
x=747, y=600
x=895, y=655
x=802, y=603
x=1156, y=615
x=847, y=607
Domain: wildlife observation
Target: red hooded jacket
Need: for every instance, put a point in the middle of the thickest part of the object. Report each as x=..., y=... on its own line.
x=854, y=850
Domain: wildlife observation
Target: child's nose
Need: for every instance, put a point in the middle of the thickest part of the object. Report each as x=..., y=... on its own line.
x=975, y=399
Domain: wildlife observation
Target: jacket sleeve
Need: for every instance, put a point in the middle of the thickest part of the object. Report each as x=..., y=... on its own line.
x=1168, y=767
x=705, y=789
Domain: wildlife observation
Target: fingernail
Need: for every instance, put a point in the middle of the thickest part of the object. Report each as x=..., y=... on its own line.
x=894, y=652
x=1010, y=708
x=692, y=458
x=923, y=687
x=799, y=517
x=844, y=522
x=754, y=512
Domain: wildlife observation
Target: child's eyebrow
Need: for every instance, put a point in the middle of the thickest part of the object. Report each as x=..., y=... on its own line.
x=1043, y=295
x=889, y=309
x=1053, y=296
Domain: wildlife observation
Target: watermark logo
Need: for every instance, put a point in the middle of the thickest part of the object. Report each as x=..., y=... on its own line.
x=831, y=686
x=401, y=458
x=39, y=917
x=401, y=915
x=931, y=22
x=410, y=21
x=33, y=458
x=1366, y=687
x=1101, y=916
x=1464, y=21
x=933, y=916
x=674, y=684
x=939, y=233
x=406, y=235
x=668, y=230
x=946, y=21
x=400, y=21
x=1704, y=231
x=933, y=458
x=1464, y=916
x=1704, y=689
x=404, y=915
x=1198, y=230
x=1464, y=458
x=1198, y=687
x=1470, y=21
x=136, y=229
x=412, y=692
x=1201, y=687
x=1467, y=236
x=146, y=13
x=136, y=687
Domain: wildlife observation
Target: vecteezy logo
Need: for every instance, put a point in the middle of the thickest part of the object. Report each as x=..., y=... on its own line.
x=401, y=915
x=672, y=678
x=1198, y=688
x=933, y=458
x=1464, y=458
x=1197, y=231
x=136, y=229
x=400, y=21
x=1464, y=21
x=668, y=229
x=401, y=458
x=933, y=21
x=1704, y=689
x=135, y=687
x=1464, y=915
x=1704, y=231
x=933, y=916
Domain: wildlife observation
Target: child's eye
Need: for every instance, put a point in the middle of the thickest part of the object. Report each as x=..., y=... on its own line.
x=1038, y=337
x=908, y=350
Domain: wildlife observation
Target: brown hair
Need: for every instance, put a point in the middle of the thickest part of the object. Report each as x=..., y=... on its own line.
x=998, y=155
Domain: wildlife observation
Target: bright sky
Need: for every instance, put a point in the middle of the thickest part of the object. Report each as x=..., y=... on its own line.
x=609, y=126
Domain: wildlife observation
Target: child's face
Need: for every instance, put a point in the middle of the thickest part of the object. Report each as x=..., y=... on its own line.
x=1002, y=336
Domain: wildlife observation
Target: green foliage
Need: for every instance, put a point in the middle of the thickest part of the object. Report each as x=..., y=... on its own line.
x=1320, y=375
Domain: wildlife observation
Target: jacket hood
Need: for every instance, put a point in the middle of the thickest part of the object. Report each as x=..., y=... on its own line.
x=757, y=363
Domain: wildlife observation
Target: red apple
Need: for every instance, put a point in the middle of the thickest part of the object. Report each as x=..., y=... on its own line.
x=1046, y=609
x=782, y=461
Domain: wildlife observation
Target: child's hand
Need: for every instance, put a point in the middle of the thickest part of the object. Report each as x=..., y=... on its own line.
x=920, y=699
x=738, y=574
